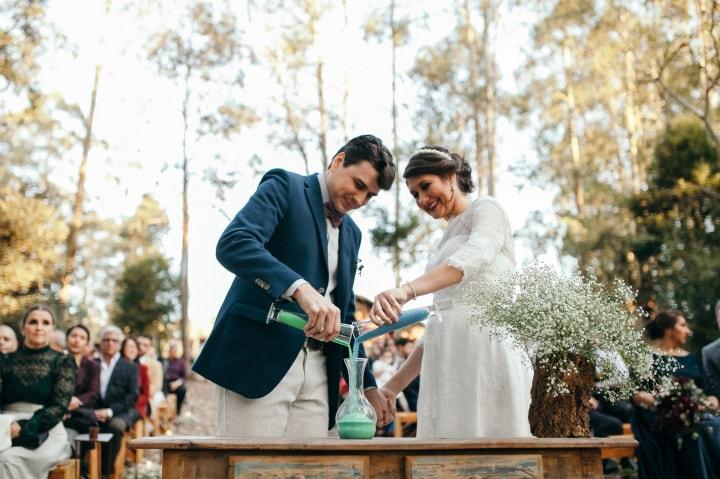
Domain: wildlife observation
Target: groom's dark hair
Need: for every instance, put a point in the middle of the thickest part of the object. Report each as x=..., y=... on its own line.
x=370, y=148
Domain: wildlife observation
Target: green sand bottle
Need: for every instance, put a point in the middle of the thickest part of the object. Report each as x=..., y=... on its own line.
x=356, y=417
x=298, y=321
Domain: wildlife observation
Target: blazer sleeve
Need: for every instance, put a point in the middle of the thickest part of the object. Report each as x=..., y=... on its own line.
x=711, y=365
x=129, y=388
x=92, y=391
x=241, y=248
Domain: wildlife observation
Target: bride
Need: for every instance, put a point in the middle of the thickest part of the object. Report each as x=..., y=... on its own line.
x=472, y=385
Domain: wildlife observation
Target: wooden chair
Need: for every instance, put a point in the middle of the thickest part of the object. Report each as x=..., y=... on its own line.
x=620, y=452
x=167, y=411
x=402, y=419
x=136, y=431
x=69, y=469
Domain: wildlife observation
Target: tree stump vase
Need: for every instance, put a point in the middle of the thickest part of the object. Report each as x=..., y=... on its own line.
x=566, y=415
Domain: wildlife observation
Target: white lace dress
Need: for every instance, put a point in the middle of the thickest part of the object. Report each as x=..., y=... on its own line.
x=471, y=385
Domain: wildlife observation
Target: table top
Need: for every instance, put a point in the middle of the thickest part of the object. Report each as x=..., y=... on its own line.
x=102, y=437
x=378, y=443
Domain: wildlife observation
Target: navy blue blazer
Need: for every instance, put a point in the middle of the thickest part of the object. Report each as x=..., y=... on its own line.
x=278, y=237
x=122, y=390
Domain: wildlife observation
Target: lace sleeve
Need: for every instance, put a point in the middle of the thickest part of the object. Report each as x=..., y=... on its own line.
x=56, y=405
x=488, y=233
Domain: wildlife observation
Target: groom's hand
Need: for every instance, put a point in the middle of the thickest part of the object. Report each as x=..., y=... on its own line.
x=323, y=316
x=384, y=406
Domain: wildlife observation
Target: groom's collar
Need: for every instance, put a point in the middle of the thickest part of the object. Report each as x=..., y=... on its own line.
x=323, y=187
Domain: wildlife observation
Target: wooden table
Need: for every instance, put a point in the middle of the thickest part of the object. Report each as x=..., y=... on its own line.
x=387, y=458
x=94, y=454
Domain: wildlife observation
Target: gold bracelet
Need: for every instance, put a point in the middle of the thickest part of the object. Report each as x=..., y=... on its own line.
x=413, y=290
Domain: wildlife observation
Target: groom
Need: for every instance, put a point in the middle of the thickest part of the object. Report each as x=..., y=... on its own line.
x=292, y=241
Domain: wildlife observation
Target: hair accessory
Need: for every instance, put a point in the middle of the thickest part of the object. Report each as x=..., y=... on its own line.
x=431, y=151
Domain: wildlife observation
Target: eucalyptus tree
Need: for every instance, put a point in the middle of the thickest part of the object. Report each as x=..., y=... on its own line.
x=678, y=220
x=31, y=141
x=392, y=25
x=686, y=60
x=71, y=243
x=144, y=296
x=201, y=51
x=297, y=63
x=30, y=231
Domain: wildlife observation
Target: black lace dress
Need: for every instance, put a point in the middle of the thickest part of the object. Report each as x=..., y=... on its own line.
x=36, y=387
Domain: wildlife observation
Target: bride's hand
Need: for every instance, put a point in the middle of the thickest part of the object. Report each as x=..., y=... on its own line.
x=388, y=305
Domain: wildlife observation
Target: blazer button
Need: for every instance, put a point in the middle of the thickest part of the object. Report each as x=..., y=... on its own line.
x=321, y=290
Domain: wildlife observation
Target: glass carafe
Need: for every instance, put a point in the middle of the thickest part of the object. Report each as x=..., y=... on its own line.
x=356, y=417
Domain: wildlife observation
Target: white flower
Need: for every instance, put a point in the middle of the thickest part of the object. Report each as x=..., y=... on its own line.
x=551, y=315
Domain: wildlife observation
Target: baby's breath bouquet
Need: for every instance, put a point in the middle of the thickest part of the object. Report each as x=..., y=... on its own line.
x=575, y=331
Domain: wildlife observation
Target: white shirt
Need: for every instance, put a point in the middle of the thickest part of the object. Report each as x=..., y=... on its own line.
x=333, y=238
x=106, y=371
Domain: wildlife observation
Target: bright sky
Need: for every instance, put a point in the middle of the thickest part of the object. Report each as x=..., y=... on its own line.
x=138, y=117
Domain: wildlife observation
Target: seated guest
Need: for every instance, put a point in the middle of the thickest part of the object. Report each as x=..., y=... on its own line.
x=57, y=341
x=129, y=351
x=711, y=359
x=87, y=385
x=8, y=339
x=148, y=357
x=664, y=453
x=176, y=375
x=408, y=399
x=37, y=384
x=118, y=394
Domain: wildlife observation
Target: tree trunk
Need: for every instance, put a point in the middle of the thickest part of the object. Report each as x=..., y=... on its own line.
x=312, y=12
x=396, y=219
x=290, y=117
x=572, y=133
x=184, y=273
x=632, y=120
x=346, y=86
x=490, y=104
x=76, y=222
x=471, y=43
x=566, y=415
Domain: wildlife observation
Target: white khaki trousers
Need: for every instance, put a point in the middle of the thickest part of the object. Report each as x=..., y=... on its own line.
x=297, y=407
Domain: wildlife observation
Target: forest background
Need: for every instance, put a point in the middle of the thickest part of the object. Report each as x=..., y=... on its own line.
x=132, y=132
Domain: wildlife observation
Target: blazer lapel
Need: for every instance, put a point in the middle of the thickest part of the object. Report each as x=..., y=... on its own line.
x=314, y=198
x=345, y=255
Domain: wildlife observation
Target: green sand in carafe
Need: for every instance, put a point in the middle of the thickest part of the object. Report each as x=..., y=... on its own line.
x=356, y=426
x=356, y=417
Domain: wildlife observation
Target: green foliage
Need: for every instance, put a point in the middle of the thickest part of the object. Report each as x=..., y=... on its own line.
x=678, y=245
x=682, y=151
x=31, y=231
x=141, y=233
x=385, y=235
x=145, y=295
x=21, y=39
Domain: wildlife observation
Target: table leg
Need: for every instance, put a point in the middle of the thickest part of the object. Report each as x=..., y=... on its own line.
x=94, y=462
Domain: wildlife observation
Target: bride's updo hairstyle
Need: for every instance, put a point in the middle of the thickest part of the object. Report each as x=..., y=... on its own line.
x=664, y=320
x=437, y=160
